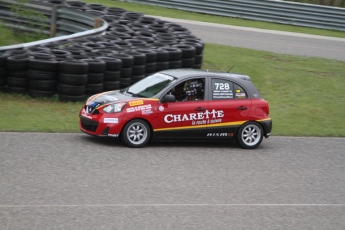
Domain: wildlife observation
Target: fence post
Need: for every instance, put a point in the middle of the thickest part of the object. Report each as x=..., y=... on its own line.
x=53, y=19
x=97, y=23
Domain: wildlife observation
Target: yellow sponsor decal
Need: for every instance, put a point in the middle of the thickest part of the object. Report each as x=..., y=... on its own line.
x=136, y=103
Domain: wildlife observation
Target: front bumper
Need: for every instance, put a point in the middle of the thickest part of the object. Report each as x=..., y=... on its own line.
x=96, y=126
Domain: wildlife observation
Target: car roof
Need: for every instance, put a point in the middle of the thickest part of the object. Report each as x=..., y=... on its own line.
x=182, y=73
x=243, y=80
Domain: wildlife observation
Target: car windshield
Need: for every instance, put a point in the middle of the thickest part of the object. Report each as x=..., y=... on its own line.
x=150, y=85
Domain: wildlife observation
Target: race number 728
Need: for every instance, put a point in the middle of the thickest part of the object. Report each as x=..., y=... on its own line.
x=222, y=86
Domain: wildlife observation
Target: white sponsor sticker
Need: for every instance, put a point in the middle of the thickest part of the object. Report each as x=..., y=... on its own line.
x=139, y=108
x=111, y=120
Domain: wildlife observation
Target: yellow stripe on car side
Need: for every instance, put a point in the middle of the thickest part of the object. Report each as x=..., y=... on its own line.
x=209, y=125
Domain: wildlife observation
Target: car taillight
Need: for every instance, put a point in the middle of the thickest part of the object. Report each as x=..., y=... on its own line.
x=267, y=108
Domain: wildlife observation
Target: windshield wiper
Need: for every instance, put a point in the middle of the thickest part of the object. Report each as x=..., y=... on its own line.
x=129, y=92
x=134, y=94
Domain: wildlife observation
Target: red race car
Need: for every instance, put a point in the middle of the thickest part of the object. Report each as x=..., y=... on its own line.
x=180, y=105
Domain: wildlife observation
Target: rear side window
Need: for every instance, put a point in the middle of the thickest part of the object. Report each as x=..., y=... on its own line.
x=226, y=90
x=239, y=92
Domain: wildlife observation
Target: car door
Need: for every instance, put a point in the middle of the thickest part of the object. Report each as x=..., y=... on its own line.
x=229, y=107
x=183, y=118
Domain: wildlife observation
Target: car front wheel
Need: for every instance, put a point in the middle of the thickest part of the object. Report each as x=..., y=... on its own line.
x=250, y=135
x=136, y=133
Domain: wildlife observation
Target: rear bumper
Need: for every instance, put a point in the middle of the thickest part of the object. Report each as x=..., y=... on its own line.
x=267, y=126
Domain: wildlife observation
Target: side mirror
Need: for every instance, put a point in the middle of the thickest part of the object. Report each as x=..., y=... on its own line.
x=169, y=98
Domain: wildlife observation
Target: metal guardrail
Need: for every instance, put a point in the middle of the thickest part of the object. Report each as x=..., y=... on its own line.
x=291, y=13
x=60, y=22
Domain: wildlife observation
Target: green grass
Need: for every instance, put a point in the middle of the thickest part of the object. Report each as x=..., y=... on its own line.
x=10, y=37
x=23, y=113
x=7, y=37
x=305, y=94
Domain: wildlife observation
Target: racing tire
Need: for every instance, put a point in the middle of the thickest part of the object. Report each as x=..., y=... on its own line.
x=43, y=65
x=17, y=63
x=111, y=85
x=94, y=88
x=162, y=55
x=80, y=56
x=138, y=70
x=136, y=133
x=60, y=53
x=135, y=79
x=151, y=55
x=199, y=47
x=41, y=93
x=175, y=64
x=73, y=79
x=197, y=66
x=250, y=135
x=15, y=52
x=188, y=62
x=17, y=74
x=17, y=90
x=138, y=58
x=188, y=51
x=111, y=63
x=151, y=68
x=3, y=81
x=42, y=85
x=41, y=75
x=175, y=54
x=95, y=65
x=94, y=78
x=112, y=75
x=17, y=82
x=198, y=59
x=70, y=98
x=127, y=60
x=71, y=90
x=73, y=67
x=162, y=66
x=43, y=55
x=126, y=73
x=125, y=82
x=3, y=72
x=3, y=59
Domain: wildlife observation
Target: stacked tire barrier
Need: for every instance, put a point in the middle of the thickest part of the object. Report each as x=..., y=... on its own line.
x=133, y=47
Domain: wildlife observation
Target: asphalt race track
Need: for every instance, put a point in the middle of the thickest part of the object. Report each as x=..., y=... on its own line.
x=75, y=181
x=267, y=40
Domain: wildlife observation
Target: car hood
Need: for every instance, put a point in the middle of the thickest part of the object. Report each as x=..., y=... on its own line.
x=108, y=97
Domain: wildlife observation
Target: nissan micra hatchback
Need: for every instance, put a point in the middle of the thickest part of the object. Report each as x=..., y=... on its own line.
x=181, y=105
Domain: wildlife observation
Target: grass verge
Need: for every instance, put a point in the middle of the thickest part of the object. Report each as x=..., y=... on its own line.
x=25, y=114
x=11, y=37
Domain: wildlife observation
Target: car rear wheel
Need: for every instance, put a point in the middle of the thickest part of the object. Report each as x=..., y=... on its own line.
x=250, y=135
x=136, y=133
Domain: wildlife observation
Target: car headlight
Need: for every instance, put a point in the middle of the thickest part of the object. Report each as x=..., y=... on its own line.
x=114, y=108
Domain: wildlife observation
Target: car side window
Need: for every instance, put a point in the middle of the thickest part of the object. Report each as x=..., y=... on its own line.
x=190, y=90
x=239, y=92
x=225, y=90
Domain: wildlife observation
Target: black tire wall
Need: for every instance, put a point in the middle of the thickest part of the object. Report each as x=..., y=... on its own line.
x=133, y=47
